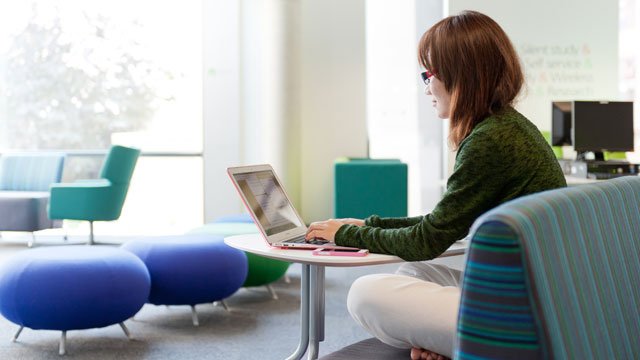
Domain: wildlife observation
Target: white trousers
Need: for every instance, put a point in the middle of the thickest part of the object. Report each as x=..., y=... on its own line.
x=416, y=307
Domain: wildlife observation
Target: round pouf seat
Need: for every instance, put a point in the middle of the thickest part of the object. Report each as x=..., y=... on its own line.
x=72, y=288
x=190, y=269
x=262, y=271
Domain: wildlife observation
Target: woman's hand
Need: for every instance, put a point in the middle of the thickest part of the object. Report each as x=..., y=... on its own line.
x=324, y=229
x=352, y=221
x=327, y=229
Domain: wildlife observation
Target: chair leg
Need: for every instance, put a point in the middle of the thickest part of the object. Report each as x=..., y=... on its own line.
x=221, y=302
x=32, y=241
x=194, y=316
x=15, y=337
x=91, y=242
x=126, y=331
x=287, y=279
x=272, y=292
x=63, y=343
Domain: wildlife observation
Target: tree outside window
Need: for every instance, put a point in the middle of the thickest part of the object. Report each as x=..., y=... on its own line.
x=72, y=88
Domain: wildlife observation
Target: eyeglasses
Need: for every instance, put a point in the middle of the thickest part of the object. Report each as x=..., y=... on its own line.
x=426, y=77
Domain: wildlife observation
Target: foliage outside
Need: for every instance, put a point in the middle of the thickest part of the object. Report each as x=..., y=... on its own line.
x=72, y=87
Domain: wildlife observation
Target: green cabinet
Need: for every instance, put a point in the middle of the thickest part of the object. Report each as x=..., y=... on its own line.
x=366, y=187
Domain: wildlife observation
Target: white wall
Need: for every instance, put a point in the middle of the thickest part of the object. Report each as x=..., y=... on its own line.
x=569, y=49
x=284, y=84
x=302, y=98
x=401, y=121
x=269, y=91
x=636, y=110
x=332, y=113
x=251, y=95
x=221, y=89
x=433, y=147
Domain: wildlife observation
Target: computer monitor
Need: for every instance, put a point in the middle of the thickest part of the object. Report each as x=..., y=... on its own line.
x=561, y=123
x=602, y=126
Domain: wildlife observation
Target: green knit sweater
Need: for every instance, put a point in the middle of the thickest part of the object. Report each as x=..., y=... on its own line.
x=504, y=157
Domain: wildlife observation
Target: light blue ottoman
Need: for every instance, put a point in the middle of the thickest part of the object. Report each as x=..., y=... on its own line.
x=237, y=218
x=71, y=288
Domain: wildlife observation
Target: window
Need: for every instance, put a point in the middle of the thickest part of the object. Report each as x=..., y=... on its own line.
x=83, y=75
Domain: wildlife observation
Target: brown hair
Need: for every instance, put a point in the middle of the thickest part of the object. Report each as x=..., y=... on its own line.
x=473, y=57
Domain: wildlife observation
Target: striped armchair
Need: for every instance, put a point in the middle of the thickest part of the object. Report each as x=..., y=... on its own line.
x=24, y=190
x=555, y=275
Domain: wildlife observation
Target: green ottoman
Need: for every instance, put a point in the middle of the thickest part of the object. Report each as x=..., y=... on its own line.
x=262, y=271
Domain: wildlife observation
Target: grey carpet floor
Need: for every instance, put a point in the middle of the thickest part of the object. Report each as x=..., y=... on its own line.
x=256, y=326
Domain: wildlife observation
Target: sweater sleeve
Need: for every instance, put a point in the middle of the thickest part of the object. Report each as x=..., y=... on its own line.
x=472, y=189
x=392, y=223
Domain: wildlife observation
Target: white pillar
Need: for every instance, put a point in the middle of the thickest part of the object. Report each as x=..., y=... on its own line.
x=401, y=121
x=433, y=149
x=332, y=96
x=221, y=105
x=269, y=91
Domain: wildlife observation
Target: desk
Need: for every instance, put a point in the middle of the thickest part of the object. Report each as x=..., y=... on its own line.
x=574, y=180
x=312, y=282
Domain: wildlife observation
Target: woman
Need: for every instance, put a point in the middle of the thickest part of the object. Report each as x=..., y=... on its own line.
x=473, y=75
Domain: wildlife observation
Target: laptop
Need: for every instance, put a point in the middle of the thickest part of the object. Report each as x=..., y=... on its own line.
x=265, y=198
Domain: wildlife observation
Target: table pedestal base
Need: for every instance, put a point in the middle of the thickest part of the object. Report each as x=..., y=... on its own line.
x=311, y=312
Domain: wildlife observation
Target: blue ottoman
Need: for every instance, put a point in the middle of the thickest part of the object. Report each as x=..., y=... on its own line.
x=237, y=218
x=262, y=271
x=190, y=269
x=72, y=288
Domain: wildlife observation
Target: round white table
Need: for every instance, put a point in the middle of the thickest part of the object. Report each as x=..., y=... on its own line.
x=312, y=281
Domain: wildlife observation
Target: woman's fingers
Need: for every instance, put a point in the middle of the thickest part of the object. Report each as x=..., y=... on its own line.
x=314, y=234
x=316, y=226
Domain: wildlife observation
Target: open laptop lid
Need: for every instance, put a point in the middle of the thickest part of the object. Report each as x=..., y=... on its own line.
x=268, y=203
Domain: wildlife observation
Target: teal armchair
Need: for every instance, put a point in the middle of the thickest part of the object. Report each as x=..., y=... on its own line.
x=99, y=199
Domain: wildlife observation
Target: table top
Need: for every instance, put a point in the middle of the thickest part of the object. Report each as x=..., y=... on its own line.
x=574, y=180
x=255, y=244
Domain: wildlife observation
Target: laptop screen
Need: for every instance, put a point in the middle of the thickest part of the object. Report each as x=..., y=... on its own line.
x=267, y=201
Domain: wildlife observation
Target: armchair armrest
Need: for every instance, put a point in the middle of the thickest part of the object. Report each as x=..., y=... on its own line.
x=496, y=316
x=84, y=182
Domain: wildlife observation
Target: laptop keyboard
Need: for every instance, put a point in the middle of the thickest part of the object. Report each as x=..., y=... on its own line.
x=302, y=240
x=317, y=242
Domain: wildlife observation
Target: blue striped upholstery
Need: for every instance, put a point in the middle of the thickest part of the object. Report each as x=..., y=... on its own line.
x=30, y=171
x=555, y=275
x=495, y=312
